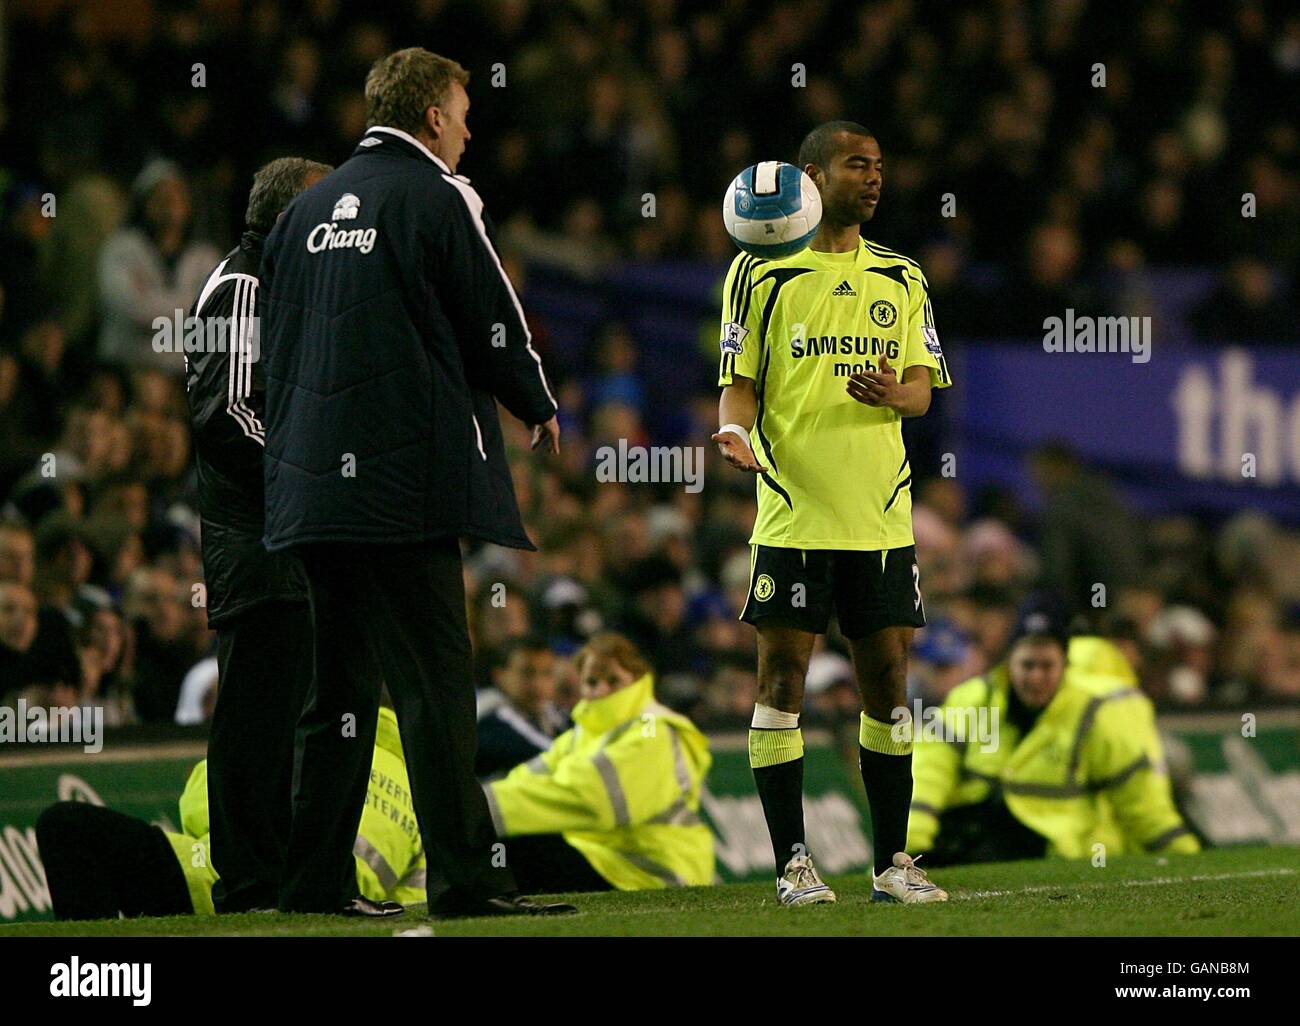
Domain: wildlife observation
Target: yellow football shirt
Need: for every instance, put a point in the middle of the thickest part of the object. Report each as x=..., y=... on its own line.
x=799, y=327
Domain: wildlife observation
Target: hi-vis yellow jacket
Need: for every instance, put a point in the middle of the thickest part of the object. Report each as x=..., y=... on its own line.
x=623, y=787
x=388, y=851
x=1090, y=770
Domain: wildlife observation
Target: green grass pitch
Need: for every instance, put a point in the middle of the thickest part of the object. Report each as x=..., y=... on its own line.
x=1226, y=892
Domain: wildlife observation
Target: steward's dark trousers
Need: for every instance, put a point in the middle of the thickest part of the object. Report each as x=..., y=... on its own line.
x=99, y=862
x=548, y=864
x=264, y=659
x=390, y=614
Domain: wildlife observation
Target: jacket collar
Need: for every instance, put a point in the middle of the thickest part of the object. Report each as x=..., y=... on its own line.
x=252, y=241
x=604, y=714
x=412, y=141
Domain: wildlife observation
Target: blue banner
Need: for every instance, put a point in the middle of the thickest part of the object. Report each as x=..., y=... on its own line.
x=1194, y=429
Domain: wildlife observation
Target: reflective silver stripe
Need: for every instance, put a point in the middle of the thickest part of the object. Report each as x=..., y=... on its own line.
x=1037, y=790
x=678, y=814
x=619, y=731
x=1068, y=790
x=1034, y=790
x=498, y=823
x=1029, y=789
x=1085, y=724
x=613, y=787
x=1156, y=843
x=679, y=764
x=373, y=858
x=538, y=765
x=418, y=878
x=1140, y=763
x=653, y=868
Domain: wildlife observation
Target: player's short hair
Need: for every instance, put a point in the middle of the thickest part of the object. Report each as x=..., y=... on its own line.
x=274, y=185
x=613, y=646
x=403, y=85
x=820, y=145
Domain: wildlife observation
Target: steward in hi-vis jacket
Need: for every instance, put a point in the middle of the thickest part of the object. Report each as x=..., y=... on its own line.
x=622, y=787
x=1084, y=769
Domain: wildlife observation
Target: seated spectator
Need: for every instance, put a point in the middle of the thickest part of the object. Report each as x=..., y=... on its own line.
x=1246, y=306
x=613, y=803
x=101, y=647
x=17, y=554
x=151, y=268
x=100, y=863
x=1073, y=761
x=17, y=632
x=655, y=614
x=166, y=646
x=518, y=718
x=940, y=654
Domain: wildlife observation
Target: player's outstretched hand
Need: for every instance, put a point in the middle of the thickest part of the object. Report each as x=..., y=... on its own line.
x=547, y=436
x=736, y=451
x=875, y=388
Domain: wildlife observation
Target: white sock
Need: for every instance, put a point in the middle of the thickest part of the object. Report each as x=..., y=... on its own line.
x=767, y=718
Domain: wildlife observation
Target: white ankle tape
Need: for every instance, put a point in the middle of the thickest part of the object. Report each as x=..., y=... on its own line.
x=767, y=718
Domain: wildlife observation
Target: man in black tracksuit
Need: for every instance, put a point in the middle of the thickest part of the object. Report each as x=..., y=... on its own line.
x=256, y=601
x=392, y=327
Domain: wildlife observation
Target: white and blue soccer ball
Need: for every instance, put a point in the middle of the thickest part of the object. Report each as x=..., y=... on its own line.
x=772, y=210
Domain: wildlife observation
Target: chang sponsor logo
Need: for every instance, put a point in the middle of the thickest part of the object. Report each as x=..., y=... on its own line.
x=326, y=235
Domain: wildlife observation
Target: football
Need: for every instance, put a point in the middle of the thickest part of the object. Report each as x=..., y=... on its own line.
x=772, y=210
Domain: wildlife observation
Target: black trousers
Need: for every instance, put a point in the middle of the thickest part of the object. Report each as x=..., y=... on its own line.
x=391, y=614
x=99, y=862
x=986, y=832
x=548, y=864
x=264, y=659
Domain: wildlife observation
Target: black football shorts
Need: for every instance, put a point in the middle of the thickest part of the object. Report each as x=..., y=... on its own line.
x=868, y=591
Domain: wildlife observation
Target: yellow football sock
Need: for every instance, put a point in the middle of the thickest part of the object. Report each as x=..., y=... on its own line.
x=875, y=736
x=773, y=747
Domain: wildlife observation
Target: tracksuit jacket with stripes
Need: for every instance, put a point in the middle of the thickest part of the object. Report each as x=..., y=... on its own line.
x=226, y=388
x=391, y=330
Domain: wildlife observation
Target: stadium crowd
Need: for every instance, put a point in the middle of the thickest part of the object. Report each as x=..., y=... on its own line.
x=1059, y=186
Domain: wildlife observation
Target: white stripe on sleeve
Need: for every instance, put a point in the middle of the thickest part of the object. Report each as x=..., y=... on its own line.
x=475, y=204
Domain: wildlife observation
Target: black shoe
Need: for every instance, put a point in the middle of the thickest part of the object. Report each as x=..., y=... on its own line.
x=536, y=908
x=505, y=905
x=366, y=909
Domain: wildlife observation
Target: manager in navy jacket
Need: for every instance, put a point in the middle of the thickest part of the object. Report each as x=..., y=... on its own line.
x=392, y=331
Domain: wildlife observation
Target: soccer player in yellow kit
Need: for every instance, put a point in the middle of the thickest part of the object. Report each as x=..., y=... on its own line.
x=823, y=354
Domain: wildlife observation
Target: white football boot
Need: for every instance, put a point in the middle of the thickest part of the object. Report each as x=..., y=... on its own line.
x=905, y=883
x=800, y=884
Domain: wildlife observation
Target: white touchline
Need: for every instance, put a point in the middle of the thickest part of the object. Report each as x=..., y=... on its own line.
x=1153, y=882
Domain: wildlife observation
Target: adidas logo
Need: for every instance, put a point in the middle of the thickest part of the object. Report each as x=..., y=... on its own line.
x=843, y=289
